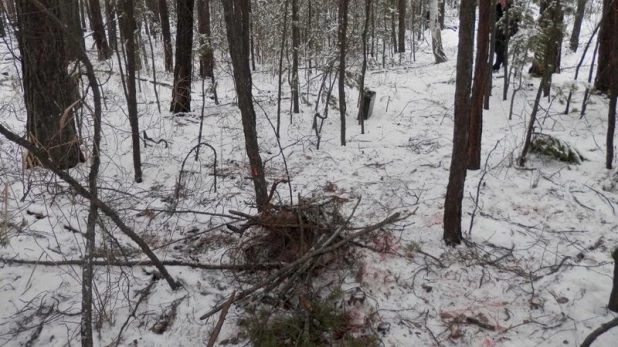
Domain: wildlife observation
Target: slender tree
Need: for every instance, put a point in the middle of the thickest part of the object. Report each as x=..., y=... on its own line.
x=207, y=58
x=481, y=68
x=459, y=159
x=343, y=26
x=129, y=27
x=361, y=113
x=49, y=92
x=167, y=36
x=96, y=21
x=236, y=15
x=436, y=35
x=613, y=298
x=70, y=16
x=606, y=59
x=110, y=14
x=613, y=97
x=402, y=25
x=577, y=24
x=181, y=94
x=295, y=47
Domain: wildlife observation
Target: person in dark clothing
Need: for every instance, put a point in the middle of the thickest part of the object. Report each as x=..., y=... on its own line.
x=501, y=32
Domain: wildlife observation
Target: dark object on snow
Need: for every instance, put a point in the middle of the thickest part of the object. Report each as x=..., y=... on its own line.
x=369, y=99
x=613, y=299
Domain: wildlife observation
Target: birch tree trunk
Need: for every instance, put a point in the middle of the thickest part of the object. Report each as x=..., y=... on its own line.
x=436, y=36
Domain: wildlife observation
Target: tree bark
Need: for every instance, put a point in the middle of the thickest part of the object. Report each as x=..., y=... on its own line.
x=110, y=14
x=70, y=16
x=605, y=57
x=128, y=9
x=613, y=298
x=96, y=21
x=236, y=15
x=402, y=26
x=295, y=47
x=207, y=59
x=50, y=94
x=459, y=159
x=361, y=114
x=181, y=94
x=436, y=35
x=481, y=69
x=167, y=36
x=577, y=25
x=343, y=26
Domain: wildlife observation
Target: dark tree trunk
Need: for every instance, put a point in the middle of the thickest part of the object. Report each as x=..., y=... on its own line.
x=96, y=21
x=613, y=298
x=207, y=59
x=70, y=16
x=605, y=57
x=167, y=36
x=613, y=96
x=492, y=51
x=402, y=26
x=441, y=13
x=154, y=9
x=83, y=14
x=181, y=94
x=481, y=69
x=236, y=14
x=110, y=14
x=295, y=46
x=49, y=92
x=393, y=28
x=361, y=113
x=129, y=25
x=577, y=25
x=551, y=21
x=459, y=159
x=10, y=12
x=343, y=27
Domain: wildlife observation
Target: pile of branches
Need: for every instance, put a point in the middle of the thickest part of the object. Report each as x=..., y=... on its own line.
x=300, y=239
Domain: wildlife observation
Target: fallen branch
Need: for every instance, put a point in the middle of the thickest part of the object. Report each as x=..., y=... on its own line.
x=80, y=262
x=301, y=262
x=599, y=331
x=144, y=294
x=215, y=333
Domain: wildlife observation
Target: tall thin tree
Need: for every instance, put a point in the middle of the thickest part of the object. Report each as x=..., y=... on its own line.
x=577, y=24
x=181, y=94
x=236, y=15
x=481, y=68
x=402, y=25
x=436, y=34
x=207, y=58
x=129, y=25
x=167, y=36
x=295, y=47
x=96, y=21
x=605, y=56
x=110, y=14
x=459, y=158
x=343, y=27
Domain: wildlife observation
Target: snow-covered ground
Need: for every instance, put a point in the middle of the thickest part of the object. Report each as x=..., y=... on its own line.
x=538, y=269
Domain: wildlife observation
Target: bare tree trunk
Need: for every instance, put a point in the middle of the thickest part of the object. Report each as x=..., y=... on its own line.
x=295, y=46
x=10, y=12
x=605, y=56
x=284, y=31
x=343, y=26
x=441, y=13
x=207, y=59
x=167, y=36
x=50, y=94
x=83, y=13
x=128, y=19
x=70, y=16
x=613, y=96
x=361, y=114
x=96, y=21
x=613, y=298
x=481, y=69
x=436, y=35
x=110, y=14
x=459, y=158
x=236, y=15
x=577, y=25
x=181, y=94
x=492, y=51
x=402, y=26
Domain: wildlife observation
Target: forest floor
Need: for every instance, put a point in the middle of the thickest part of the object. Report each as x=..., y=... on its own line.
x=536, y=270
